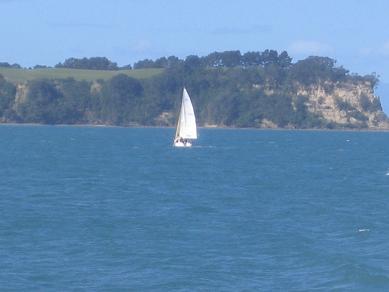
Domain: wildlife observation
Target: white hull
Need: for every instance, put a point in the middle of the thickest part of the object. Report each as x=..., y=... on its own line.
x=181, y=144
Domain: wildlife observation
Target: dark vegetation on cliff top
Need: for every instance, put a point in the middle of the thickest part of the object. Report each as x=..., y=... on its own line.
x=227, y=89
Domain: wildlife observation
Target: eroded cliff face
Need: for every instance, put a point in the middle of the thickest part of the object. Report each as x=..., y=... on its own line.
x=21, y=93
x=20, y=98
x=345, y=104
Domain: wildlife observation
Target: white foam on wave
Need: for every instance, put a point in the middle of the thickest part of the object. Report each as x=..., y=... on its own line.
x=363, y=230
x=203, y=146
x=387, y=173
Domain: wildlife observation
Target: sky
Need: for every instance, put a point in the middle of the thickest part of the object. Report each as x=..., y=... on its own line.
x=354, y=32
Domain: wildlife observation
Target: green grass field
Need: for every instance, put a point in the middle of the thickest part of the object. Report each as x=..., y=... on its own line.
x=22, y=75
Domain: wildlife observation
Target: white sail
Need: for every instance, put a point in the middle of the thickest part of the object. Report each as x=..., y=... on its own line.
x=186, y=126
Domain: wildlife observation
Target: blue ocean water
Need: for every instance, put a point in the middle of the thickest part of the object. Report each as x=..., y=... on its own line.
x=243, y=210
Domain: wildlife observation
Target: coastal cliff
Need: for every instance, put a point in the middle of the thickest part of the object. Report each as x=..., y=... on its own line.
x=259, y=90
x=345, y=104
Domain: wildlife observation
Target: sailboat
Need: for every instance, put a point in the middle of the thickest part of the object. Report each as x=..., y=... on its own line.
x=186, y=126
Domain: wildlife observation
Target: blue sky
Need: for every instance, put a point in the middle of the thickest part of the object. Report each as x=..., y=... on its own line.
x=355, y=33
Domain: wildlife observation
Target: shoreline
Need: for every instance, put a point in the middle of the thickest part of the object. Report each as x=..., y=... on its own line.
x=200, y=127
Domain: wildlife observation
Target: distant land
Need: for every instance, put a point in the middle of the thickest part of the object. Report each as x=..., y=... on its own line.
x=228, y=89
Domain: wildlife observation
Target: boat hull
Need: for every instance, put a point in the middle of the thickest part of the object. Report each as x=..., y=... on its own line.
x=182, y=144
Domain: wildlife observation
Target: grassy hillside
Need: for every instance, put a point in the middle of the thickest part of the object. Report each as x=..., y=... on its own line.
x=22, y=75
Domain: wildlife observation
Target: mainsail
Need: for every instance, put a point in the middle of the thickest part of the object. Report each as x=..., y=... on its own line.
x=186, y=126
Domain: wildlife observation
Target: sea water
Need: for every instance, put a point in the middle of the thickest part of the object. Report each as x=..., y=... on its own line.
x=88, y=208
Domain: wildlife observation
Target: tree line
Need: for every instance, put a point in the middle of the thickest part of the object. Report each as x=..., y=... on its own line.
x=221, y=59
x=215, y=59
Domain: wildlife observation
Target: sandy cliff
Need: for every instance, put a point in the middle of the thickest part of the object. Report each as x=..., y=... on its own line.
x=348, y=104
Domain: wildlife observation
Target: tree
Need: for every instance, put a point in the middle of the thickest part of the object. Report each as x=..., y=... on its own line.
x=231, y=58
x=146, y=63
x=213, y=60
x=173, y=61
x=269, y=57
x=161, y=63
x=8, y=65
x=75, y=101
x=252, y=59
x=7, y=95
x=192, y=63
x=121, y=95
x=316, y=69
x=41, y=105
x=284, y=60
x=94, y=63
